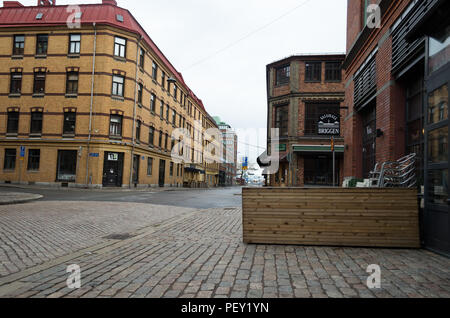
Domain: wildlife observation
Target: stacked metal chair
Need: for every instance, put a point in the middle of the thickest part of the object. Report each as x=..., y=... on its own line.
x=395, y=174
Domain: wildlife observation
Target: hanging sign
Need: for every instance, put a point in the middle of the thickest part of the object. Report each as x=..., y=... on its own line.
x=329, y=124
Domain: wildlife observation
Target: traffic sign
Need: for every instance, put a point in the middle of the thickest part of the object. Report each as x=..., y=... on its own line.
x=22, y=152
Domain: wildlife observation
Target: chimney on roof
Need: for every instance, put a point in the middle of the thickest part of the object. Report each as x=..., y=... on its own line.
x=113, y=2
x=46, y=3
x=12, y=4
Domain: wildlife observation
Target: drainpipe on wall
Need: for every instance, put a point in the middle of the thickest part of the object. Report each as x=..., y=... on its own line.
x=134, y=111
x=91, y=106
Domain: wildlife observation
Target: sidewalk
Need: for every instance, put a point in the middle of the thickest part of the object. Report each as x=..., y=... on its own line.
x=7, y=198
x=157, y=189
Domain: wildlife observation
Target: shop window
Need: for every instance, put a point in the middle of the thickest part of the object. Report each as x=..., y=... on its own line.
x=10, y=159
x=34, y=157
x=149, y=166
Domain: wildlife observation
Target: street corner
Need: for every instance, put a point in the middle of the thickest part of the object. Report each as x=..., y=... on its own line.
x=10, y=198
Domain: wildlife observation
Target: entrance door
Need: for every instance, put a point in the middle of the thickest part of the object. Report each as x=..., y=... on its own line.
x=112, y=169
x=136, y=169
x=67, y=165
x=162, y=172
x=319, y=170
x=369, y=121
x=437, y=200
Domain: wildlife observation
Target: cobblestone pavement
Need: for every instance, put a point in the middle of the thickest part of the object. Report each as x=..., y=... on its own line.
x=37, y=232
x=201, y=254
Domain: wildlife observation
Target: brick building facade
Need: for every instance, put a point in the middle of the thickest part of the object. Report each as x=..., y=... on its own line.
x=305, y=102
x=396, y=88
x=93, y=105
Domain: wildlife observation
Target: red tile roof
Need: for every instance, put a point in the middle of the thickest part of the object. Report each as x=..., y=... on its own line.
x=13, y=14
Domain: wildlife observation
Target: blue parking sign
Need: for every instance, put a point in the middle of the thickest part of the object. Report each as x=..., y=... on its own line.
x=22, y=152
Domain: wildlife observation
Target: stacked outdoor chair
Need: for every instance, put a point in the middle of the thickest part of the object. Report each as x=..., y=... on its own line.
x=395, y=174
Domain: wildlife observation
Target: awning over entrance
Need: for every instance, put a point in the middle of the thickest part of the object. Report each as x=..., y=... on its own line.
x=318, y=148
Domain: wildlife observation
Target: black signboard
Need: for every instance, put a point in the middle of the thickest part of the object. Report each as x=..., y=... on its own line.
x=329, y=124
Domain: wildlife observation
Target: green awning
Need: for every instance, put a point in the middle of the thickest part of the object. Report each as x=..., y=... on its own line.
x=318, y=148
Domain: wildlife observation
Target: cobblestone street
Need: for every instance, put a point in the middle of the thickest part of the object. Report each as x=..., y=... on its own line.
x=176, y=252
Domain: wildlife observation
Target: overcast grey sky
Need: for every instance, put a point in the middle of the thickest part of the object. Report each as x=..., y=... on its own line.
x=248, y=34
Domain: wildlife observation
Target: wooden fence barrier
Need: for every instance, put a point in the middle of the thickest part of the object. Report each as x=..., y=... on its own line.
x=331, y=217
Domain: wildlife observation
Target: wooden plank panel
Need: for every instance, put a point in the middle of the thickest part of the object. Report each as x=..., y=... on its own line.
x=335, y=217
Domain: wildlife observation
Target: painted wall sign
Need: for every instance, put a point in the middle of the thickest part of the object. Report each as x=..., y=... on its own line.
x=329, y=124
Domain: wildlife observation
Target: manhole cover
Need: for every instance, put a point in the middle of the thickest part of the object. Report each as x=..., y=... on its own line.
x=119, y=237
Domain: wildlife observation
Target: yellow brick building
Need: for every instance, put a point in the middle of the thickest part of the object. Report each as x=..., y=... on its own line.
x=92, y=104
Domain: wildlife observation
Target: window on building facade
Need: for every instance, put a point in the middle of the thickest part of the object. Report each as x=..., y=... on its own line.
x=281, y=119
x=138, y=130
x=313, y=113
x=171, y=169
x=140, y=93
x=74, y=43
x=19, y=45
x=36, y=123
x=166, y=141
x=115, y=126
x=149, y=166
x=120, y=47
x=313, y=71
x=41, y=44
x=175, y=91
x=34, y=157
x=151, y=136
x=174, y=116
x=141, y=57
x=161, y=110
x=10, y=159
x=118, y=84
x=167, y=112
x=72, y=83
x=70, y=119
x=13, y=123
x=160, y=139
x=283, y=75
x=333, y=71
x=16, y=83
x=154, y=70
x=152, y=102
x=163, y=80
x=39, y=83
